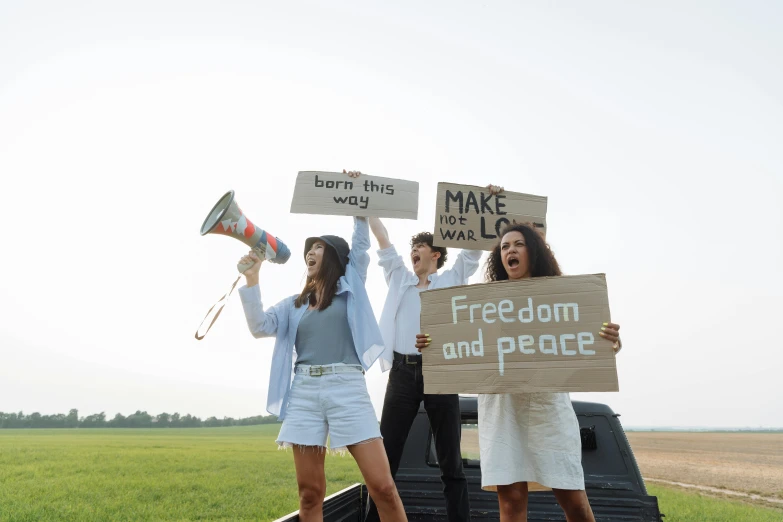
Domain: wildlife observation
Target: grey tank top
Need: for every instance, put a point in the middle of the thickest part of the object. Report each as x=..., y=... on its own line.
x=324, y=337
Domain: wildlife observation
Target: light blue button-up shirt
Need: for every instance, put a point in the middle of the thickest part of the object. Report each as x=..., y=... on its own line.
x=282, y=320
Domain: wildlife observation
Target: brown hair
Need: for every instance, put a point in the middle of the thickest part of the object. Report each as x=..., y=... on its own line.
x=426, y=238
x=324, y=282
x=540, y=257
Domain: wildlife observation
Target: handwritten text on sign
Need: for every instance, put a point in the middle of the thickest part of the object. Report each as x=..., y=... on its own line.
x=338, y=194
x=539, y=334
x=471, y=217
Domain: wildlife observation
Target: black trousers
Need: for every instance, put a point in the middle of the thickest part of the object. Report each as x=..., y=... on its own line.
x=404, y=394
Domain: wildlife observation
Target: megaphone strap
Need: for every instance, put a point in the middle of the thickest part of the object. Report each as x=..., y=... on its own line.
x=217, y=314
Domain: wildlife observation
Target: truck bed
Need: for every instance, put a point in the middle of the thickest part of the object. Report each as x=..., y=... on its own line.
x=612, y=479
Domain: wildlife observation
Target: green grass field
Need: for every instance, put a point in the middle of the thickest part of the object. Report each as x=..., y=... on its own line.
x=684, y=506
x=137, y=474
x=202, y=474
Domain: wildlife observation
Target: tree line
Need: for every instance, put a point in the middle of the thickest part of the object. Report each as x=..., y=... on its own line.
x=140, y=419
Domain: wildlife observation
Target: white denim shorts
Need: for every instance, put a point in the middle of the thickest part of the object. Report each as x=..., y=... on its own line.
x=336, y=406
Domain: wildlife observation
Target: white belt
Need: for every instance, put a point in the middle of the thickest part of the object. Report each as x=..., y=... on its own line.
x=318, y=370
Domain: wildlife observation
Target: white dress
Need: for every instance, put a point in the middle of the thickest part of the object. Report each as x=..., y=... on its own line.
x=529, y=437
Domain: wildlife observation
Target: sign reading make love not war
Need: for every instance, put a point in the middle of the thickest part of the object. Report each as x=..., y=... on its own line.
x=471, y=217
x=335, y=193
x=535, y=335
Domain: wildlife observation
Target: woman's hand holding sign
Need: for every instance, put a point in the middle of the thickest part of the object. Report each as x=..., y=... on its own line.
x=611, y=332
x=422, y=341
x=494, y=189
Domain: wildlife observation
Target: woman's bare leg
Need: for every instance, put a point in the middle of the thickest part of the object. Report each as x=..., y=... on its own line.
x=512, y=500
x=311, y=479
x=575, y=505
x=372, y=462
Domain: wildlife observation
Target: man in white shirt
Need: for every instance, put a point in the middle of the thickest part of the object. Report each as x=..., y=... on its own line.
x=405, y=390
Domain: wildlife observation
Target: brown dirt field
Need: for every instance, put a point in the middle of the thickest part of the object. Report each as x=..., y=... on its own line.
x=470, y=445
x=747, y=462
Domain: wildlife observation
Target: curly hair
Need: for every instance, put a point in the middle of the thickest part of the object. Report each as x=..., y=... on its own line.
x=540, y=257
x=426, y=238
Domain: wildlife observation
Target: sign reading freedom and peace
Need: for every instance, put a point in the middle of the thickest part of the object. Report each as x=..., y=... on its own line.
x=336, y=193
x=470, y=217
x=535, y=335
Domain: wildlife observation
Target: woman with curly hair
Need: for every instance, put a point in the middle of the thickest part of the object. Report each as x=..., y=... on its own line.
x=530, y=437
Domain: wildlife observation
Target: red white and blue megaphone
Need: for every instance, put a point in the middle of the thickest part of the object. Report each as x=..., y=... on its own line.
x=227, y=219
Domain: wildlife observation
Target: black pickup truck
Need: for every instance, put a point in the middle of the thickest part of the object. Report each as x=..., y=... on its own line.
x=614, y=485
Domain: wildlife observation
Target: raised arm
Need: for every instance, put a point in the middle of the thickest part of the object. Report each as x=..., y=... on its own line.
x=360, y=244
x=260, y=323
x=361, y=259
x=392, y=264
x=380, y=233
x=466, y=265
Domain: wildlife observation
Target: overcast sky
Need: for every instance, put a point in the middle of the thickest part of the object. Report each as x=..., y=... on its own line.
x=655, y=131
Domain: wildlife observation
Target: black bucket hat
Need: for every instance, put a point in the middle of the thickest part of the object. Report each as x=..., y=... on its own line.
x=339, y=245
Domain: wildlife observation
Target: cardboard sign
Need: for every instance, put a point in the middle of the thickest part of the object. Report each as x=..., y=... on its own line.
x=335, y=193
x=470, y=217
x=535, y=335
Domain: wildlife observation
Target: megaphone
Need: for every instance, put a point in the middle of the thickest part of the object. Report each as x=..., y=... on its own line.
x=227, y=219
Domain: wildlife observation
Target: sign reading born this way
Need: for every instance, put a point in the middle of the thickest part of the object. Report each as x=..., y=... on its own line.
x=335, y=193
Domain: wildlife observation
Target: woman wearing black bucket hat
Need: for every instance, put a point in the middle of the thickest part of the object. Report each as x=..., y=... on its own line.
x=336, y=338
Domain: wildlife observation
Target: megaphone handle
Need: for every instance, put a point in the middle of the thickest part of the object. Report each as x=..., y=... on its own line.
x=244, y=266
